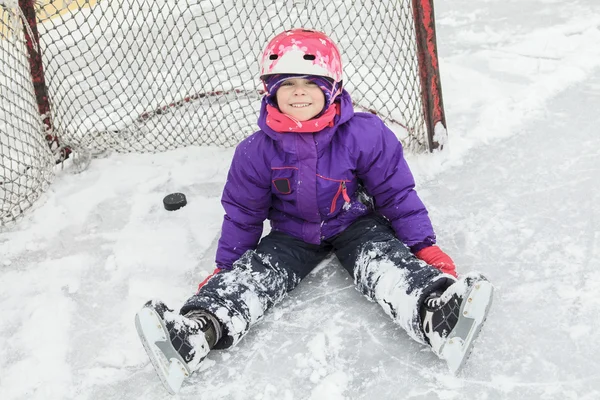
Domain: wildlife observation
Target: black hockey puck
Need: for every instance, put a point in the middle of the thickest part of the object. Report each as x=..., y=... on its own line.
x=174, y=201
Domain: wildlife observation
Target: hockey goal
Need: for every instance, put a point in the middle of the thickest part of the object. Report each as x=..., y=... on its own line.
x=149, y=75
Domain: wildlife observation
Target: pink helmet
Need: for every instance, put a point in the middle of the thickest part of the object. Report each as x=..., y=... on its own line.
x=304, y=52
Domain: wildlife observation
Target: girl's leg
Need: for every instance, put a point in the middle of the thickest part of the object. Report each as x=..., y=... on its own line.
x=259, y=279
x=386, y=271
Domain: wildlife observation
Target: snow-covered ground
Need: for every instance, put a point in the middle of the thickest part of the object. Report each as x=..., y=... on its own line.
x=514, y=196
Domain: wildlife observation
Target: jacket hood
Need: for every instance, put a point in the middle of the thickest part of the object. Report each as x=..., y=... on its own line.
x=323, y=136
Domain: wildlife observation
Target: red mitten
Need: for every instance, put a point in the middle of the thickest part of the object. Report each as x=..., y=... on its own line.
x=435, y=257
x=216, y=271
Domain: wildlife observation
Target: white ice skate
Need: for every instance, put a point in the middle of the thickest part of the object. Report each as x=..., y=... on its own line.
x=452, y=320
x=175, y=344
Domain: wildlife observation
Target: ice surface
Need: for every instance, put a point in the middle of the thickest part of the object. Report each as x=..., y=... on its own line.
x=514, y=195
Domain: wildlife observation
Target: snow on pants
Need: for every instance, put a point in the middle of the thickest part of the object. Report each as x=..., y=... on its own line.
x=384, y=270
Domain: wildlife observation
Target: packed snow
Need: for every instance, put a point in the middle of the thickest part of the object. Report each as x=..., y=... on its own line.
x=513, y=195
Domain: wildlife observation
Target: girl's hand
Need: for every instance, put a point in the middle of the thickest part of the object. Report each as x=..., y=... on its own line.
x=435, y=257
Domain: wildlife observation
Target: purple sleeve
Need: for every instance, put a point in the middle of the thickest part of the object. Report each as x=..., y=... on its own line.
x=246, y=200
x=387, y=177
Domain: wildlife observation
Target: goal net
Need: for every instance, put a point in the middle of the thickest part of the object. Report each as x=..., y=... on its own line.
x=26, y=160
x=150, y=75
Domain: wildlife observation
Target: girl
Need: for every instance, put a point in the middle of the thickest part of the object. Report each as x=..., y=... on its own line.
x=329, y=180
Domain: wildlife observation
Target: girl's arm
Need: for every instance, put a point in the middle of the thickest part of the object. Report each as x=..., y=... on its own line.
x=246, y=200
x=388, y=179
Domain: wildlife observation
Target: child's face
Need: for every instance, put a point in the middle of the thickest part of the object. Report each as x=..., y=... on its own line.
x=300, y=98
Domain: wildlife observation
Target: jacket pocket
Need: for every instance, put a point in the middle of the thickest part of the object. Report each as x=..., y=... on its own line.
x=282, y=185
x=283, y=180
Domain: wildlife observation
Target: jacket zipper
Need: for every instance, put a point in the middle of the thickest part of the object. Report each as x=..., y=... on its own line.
x=341, y=190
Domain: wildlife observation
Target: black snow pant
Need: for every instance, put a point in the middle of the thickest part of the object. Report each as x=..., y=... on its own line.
x=383, y=268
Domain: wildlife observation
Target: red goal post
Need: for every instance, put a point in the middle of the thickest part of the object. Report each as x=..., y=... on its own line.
x=148, y=75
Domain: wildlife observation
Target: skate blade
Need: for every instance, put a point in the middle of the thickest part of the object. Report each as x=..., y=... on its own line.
x=167, y=363
x=474, y=310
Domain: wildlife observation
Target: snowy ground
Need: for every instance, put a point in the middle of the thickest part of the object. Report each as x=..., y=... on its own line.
x=514, y=196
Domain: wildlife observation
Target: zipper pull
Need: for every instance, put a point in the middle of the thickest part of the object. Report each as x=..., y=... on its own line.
x=345, y=193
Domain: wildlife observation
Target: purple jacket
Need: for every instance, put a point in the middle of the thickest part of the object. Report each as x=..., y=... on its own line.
x=301, y=182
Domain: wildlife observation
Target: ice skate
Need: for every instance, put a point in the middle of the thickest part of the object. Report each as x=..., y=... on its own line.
x=452, y=320
x=176, y=344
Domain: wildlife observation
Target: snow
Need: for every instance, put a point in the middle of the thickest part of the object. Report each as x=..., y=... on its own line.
x=513, y=195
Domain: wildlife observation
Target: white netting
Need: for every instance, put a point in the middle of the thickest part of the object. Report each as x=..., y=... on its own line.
x=149, y=75
x=141, y=75
x=25, y=158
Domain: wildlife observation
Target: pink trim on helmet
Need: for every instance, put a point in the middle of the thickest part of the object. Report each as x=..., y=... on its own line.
x=302, y=51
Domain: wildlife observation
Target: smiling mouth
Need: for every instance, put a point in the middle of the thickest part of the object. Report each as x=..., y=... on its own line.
x=300, y=105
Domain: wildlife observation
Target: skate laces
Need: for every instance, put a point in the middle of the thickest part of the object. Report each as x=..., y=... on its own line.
x=433, y=301
x=208, y=324
x=200, y=317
